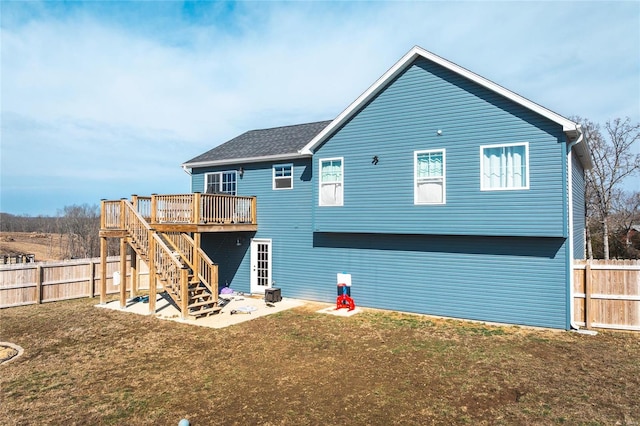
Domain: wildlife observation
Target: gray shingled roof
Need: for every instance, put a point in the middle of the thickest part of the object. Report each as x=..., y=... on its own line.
x=256, y=144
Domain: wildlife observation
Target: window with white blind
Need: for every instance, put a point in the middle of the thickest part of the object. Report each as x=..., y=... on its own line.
x=429, y=177
x=283, y=176
x=504, y=167
x=331, y=181
x=220, y=183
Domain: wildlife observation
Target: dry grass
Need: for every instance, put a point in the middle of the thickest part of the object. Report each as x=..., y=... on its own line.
x=84, y=365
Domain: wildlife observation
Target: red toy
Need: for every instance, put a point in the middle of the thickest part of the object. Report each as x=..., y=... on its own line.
x=344, y=299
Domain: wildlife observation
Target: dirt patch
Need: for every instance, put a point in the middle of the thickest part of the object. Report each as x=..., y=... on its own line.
x=45, y=247
x=99, y=366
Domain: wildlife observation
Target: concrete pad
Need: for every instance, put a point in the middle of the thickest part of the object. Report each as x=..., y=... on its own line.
x=166, y=309
x=342, y=312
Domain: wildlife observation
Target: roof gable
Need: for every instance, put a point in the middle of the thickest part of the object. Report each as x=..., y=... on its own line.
x=571, y=129
x=258, y=145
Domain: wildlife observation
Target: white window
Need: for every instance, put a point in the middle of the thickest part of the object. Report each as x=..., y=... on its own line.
x=504, y=167
x=429, y=177
x=331, y=181
x=220, y=183
x=283, y=176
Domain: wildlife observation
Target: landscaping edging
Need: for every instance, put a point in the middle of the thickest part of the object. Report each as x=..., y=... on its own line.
x=12, y=356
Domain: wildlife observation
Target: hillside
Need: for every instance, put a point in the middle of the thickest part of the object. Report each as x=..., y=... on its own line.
x=45, y=247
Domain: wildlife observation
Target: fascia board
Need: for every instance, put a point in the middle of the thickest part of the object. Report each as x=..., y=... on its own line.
x=567, y=125
x=244, y=160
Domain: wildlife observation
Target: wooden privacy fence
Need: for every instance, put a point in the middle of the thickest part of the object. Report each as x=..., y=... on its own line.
x=607, y=294
x=30, y=283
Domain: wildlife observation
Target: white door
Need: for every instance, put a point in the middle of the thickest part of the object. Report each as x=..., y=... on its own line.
x=260, y=265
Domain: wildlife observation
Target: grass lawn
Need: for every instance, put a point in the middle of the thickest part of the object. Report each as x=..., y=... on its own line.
x=84, y=365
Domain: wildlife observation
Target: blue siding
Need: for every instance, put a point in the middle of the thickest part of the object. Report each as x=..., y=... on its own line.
x=502, y=279
x=284, y=216
x=405, y=117
x=513, y=280
x=579, y=213
x=493, y=256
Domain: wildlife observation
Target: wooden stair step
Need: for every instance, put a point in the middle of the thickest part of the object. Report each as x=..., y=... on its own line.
x=205, y=312
x=203, y=303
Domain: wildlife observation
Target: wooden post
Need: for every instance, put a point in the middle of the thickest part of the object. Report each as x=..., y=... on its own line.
x=122, y=215
x=103, y=270
x=197, y=238
x=184, y=292
x=152, y=273
x=134, y=201
x=254, y=212
x=587, y=296
x=134, y=274
x=38, y=284
x=92, y=279
x=103, y=216
x=196, y=208
x=123, y=272
x=154, y=208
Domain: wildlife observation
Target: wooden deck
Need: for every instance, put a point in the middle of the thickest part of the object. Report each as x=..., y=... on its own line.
x=182, y=213
x=157, y=229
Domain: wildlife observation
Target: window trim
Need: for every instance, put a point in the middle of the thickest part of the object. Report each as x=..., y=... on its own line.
x=222, y=172
x=503, y=145
x=320, y=161
x=274, y=178
x=444, y=177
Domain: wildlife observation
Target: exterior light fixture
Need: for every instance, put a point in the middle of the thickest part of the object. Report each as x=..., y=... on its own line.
x=241, y=171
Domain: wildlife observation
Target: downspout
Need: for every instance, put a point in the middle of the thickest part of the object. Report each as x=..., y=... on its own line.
x=570, y=210
x=186, y=169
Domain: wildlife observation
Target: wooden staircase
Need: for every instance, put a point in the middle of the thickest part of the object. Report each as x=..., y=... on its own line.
x=186, y=273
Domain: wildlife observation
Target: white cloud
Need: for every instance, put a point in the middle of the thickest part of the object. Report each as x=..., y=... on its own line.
x=125, y=92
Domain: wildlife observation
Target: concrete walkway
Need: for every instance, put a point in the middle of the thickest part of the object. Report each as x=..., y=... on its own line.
x=231, y=313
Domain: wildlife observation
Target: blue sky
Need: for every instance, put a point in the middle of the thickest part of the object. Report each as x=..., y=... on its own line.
x=106, y=99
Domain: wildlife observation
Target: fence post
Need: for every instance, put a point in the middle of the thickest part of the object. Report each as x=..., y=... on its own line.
x=92, y=278
x=184, y=292
x=587, y=296
x=38, y=284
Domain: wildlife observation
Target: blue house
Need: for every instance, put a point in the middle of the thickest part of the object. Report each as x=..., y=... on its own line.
x=439, y=191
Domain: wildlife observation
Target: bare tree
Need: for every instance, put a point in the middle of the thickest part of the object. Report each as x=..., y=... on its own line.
x=81, y=223
x=625, y=220
x=613, y=162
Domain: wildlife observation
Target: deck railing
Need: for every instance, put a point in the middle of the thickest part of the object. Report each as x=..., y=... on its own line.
x=193, y=209
x=196, y=259
x=111, y=212
x=142, y=206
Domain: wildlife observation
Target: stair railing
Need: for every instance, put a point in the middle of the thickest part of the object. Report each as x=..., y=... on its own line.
x=168, y=267
x=185, y=246
x=207, y=270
